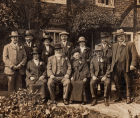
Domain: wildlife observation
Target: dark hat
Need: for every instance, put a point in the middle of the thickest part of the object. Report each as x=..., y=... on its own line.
x=119, y=32
x=57, y=46
x=81, y=39
x=14, y=34
x=98, y=47
x=36, y=51
x=47, y=37
x=105, y=34
x=64, y=33
x=28, y=34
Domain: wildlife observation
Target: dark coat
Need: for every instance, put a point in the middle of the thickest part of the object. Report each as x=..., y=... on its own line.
x=80, y=69
x=46, y=54
x=34, y=71
x=128, y=56
x=28, y=51
x=67, y=49
x=95, y=67
x=86, y=55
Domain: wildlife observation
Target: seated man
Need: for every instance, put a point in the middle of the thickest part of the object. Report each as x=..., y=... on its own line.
x=99, y=70
x=36, y=74
x=79, y=78
x=58, y=70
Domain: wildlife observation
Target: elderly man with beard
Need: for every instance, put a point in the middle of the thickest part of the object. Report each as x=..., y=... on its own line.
x=124, y=60
x=58, y=70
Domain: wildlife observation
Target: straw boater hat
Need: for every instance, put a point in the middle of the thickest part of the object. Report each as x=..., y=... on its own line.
x=64, y=33
x=119, y=32
x=81, y=39
x=14, y=34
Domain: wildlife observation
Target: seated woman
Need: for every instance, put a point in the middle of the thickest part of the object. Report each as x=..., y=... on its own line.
x=36, y=75
x=79, y=78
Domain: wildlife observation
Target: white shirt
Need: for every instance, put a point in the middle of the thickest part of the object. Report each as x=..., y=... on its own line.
x=29, y=44
x=36, y=62
x=47, y=48
x=64, y=43
x=82, y=49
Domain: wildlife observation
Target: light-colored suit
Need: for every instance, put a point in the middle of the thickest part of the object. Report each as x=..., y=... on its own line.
x=52, y=65
x=14, y=56
x=52, y=70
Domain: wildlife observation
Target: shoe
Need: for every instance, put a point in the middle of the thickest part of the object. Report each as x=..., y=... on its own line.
x=106, y=102
x=70, y=102
x=128, y=100
x=117, y=100
x=66, y=102
x=83, y=103
x=94, y=102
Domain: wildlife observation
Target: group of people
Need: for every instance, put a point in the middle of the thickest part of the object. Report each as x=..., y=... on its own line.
x=74, y=67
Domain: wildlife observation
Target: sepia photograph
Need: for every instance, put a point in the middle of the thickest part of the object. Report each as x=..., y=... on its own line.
x=69, y=58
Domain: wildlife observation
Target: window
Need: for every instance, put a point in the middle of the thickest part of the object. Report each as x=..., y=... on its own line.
x=105, y=3
x=138, y=2
x=129, y=36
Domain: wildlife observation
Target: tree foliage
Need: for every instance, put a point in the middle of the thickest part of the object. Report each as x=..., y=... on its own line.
x=93, y=17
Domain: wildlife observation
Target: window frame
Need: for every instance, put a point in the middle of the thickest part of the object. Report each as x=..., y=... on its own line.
x=138, y=2
x=104, y=5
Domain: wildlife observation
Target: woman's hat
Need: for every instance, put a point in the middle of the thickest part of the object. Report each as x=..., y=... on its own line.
x=81, y=39
x=47, y=37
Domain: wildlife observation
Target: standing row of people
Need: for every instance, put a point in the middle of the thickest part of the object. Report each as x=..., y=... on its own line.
x=73, y=67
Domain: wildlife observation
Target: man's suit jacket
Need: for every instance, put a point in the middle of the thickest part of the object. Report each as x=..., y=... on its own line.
x=52, y=66
x=45, y=56
x=86, y=55
x=14, y=56
x=95, y=67
x=128, y=56
x=67, y=49
x=32, y=70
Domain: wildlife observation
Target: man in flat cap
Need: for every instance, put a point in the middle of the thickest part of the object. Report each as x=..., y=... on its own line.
x=48, y=49
x=124, y=60
x=100, y=73
x=59, y=71
x=65, y=44
x=14, y=58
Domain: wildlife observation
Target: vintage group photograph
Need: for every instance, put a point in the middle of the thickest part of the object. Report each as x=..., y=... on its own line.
x=69, y=58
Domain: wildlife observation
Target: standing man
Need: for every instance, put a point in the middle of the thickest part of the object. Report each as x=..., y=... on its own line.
x=100, y=73
x=28, y=45
x=48, y=50
x=65, y=44
x=107, y=52
x=124, y=60
x=59, y=70
x=14, y=57
x=85, y=52
x=36, y=74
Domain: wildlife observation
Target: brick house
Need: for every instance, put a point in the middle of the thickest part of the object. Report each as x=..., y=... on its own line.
x=123, y=14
